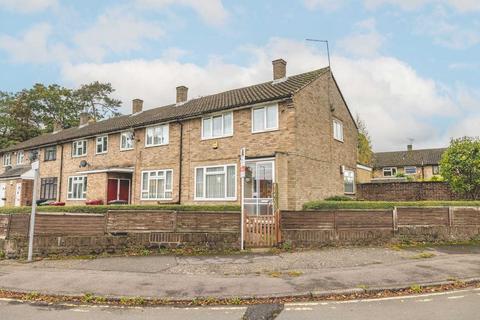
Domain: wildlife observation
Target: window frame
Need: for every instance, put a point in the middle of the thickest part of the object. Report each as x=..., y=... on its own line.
x=203, y=198
x=47, y=152
x=103, y=140
x=265, y=107
x=84, y=183
x=353, y=182
x=74, y=148
x=121, y=140
x=391, y=170
x=53, y=187
x=166, y=125
x=435, y=169
x=165, y=190
x=22, y=160
x=410, y=174
x=6, y=156
x=340, y=124
x=223, y=135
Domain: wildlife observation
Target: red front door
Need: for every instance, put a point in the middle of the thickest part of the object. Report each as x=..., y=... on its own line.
x=118, y=189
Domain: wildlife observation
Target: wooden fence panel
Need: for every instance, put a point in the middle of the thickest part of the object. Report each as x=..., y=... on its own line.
x=465, y=217
x=72, y=224
x=354, y=219
x=307, y=220
x=422, y=216
x=140, y=221
x=18, y=225
x=4, y=220
x=208, y=222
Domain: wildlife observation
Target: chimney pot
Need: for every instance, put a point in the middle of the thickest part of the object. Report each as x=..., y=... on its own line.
x=182, y=94
x=137, y=105
x=409, y=147
x=84, y=118
x=279, y=69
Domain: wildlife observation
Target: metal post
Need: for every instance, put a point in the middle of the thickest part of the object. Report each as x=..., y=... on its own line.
x=242, y=177
x=35, y=167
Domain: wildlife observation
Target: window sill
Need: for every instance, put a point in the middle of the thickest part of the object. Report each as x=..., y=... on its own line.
x=216, y=199
x=221, y=137
x=156, y=145
x=101, y=153
x=83, y=155
x=264, y=131
x=160, y=199
x=130, y=149
x=342, y=141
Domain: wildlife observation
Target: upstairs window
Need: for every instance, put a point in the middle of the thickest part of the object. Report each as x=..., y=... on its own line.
x=217, y=126
x=349, y=181
x=265, y=118
x=157, y=135
x=7, y=159
x=389, y=172
x=410, y=170
x=20, y=157
x=79, y=148
x=77, y=188
x=50, y=153
x=337, y=130
x=101, y=144
x=126, y=140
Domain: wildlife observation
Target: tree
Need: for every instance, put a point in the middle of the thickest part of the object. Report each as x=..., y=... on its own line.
x=460, y=166
x=365, y=152
x=95, y=99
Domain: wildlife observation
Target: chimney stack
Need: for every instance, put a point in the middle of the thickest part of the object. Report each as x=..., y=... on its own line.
x=279, y=69
x=182, y=94
x=137, y=105
x=84, y=118
x=57, y=126
x=409, y=147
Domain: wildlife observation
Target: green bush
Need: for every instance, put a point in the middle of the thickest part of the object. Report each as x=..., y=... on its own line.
x=339, y=198
x=316, y=205
x=105, y=208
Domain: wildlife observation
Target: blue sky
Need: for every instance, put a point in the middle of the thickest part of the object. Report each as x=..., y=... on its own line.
x=409, y=68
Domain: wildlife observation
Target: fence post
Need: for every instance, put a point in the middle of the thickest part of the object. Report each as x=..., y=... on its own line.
x=9, y=225
x=450, y=217
x=395, y=220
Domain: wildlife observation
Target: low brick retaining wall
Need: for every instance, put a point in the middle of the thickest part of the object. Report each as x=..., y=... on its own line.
x=405, y=191
x=357, y=227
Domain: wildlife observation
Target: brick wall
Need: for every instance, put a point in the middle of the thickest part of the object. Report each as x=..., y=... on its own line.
x=405, y=191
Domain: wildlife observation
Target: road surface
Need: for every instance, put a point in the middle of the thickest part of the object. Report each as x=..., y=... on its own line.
x=463, y=304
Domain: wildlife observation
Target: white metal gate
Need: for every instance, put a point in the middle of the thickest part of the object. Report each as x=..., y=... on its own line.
x=3, y=187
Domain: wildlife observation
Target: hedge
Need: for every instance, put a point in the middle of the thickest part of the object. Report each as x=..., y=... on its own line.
x=316, y=205
x=105, y=208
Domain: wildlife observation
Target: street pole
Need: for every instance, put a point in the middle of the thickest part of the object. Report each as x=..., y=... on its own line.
x=35, y=167
x=242, y=177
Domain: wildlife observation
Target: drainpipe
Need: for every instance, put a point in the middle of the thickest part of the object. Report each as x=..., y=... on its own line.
x=180, y=160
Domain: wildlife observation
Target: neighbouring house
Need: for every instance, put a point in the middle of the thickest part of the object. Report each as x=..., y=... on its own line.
x=421, y=164
x=364, y=173
x=297, y=130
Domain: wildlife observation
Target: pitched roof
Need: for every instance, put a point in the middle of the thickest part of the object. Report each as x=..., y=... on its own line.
x=408, y=158
x=14, y=172
x=263, y=92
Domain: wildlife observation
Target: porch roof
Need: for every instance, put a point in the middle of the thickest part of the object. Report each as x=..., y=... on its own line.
x=15, y=172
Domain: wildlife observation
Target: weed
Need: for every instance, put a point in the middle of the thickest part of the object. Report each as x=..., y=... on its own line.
x=32, y=296
x=424, y=255
x=275, y=274
x=415, y=288
x=234, y=301
x=294, y=273
x=2, y=255
x=363, y=287
x=132, y=301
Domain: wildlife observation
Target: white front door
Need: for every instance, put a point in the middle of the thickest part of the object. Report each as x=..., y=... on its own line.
x=3, y=187
x=18, y=194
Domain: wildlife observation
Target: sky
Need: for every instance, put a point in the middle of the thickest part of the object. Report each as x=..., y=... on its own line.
x=409, y=68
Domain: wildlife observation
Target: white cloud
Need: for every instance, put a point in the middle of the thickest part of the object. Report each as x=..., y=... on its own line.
x=27, y=6
x=365, y=41
x=33, y=46
x=395, y=101
x=327, y=5
x=212, y=11
x=115, y=31
x=459, y=5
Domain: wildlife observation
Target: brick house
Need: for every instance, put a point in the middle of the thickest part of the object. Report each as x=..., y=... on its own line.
x=297, y=130
x=421, y=164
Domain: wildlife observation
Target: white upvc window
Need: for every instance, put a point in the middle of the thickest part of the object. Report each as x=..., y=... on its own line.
x=265, y=118
x=349, y=181
x=410, y=170
x=77, y=188
x=156, y=135
x=217, y=126
x=157, y=184
x=216, y=183
x=79, y=148
x=101, y=145
x=20, y=157
x=389, y=172
x=337, y=130
x=7, y=159
x=126, y=140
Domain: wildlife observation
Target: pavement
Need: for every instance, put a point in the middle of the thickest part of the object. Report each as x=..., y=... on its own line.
x=462, y=304
x=244, y=275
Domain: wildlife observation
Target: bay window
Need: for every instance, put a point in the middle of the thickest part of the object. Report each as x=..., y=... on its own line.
x=216, y=182
x=157, y=185
x=77, y=188
x=156, y=135
x=217, y=126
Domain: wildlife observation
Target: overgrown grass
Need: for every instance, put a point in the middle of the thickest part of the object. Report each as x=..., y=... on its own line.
x=105, y=208
x=318, y=205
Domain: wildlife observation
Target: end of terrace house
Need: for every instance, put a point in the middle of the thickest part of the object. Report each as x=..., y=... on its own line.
x=297, y=130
